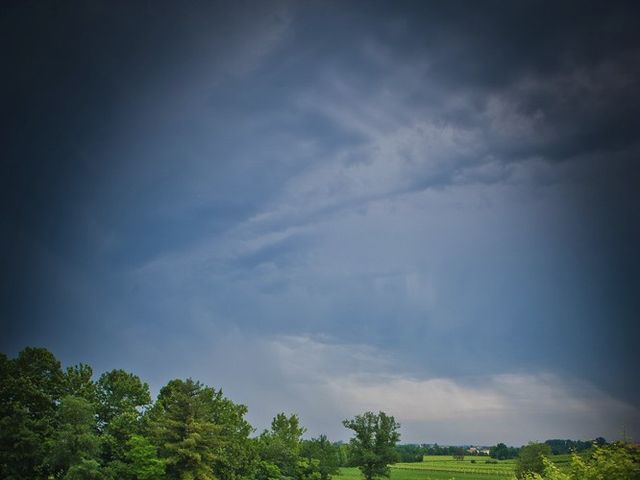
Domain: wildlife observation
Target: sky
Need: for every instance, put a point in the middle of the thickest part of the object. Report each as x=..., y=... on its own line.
x=324, y=208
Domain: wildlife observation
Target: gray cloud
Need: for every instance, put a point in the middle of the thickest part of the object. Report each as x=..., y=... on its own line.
x=325, y=381
x=453, y=189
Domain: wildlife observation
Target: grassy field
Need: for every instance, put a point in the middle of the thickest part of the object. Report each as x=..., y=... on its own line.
x=447, y=464
x=400, y=474
x=445, y=468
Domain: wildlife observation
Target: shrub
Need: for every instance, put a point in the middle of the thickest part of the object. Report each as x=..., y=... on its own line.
x=618, y=461
x=531, y=459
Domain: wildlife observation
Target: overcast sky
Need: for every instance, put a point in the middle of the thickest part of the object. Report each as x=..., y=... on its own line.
x=428, y=208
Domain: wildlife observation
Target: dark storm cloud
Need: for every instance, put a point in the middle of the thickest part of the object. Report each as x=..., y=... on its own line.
x=576, y=62
x=73, y=75
x=334, y=180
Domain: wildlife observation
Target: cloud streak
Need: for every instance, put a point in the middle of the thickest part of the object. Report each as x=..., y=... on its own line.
x=450, y=194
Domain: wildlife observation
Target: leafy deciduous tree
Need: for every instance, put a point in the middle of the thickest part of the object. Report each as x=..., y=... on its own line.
x=120, y=392
x=142, y=462
x=121, y=396
x=325, y=452
x=280, y=446
x=531, y=459
x=76, y=441
x=373, y=445
x=618, y=461
x=30, y=387
x=78, y=382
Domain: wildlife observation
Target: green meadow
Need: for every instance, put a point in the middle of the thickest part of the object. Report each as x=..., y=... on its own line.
x=445, y=467
x=352, y=473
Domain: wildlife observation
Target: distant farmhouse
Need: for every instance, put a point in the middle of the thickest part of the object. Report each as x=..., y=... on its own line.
x=478, y=451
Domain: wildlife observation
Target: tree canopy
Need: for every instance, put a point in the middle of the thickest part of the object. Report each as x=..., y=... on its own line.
x=617, y=461
x=62, y=424
x=502, y=452
x=531, y=459
x=373, y=443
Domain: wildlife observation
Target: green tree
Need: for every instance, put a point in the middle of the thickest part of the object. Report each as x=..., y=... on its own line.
x=280, y=446
x=30, y=388
x=85, y=470
x=343, y=454
x=410, y=453
x=618, y=461
x=181, y=425
x=120, y=392
x=531, y=459
x=76, y=440
x=142, y=462
x=237, y=457
x=266, y=470
x=288, y=430
x=122, y=397
x=78, y=382
x=502, y=452
x=373, y=445
x=458, y=453
x=199, y=433
x=307, y=469
x=498, y=452
x=326, y=453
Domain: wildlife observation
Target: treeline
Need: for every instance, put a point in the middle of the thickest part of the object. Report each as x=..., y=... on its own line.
x=61, y=424
x=559, y=447
x=556, y=447
x=502, y=452
x=411, y=453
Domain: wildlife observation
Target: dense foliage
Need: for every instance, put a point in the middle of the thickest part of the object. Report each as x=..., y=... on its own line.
x=373, y=443
x=618, y=461
x=61, y=424
x=531, y=459
x=560, y=447
x=326, y=453
x=502, y=452
x=410, y=453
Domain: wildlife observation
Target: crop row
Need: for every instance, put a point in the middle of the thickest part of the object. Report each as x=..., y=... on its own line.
x=459, y=469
